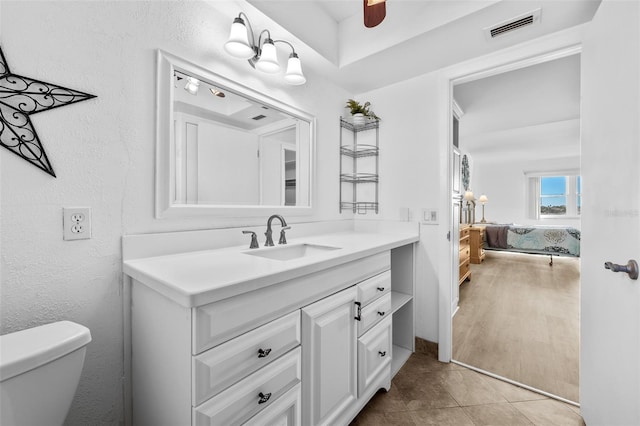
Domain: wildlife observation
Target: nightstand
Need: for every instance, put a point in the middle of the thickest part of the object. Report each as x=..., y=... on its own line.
x=476, y=244
x=465, y=252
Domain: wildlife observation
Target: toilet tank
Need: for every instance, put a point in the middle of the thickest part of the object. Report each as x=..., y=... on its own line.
x=39, y=371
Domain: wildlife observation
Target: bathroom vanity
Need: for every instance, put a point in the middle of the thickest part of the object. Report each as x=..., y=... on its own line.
x=302, y=334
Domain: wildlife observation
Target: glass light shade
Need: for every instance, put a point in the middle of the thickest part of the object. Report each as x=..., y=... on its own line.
x=268, y=61
x=294, y=71
x=192, y=85
x=238, y=44
x=483, y=199
x=468, y=195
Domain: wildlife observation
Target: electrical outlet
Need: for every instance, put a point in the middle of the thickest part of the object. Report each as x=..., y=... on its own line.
x=76, y=223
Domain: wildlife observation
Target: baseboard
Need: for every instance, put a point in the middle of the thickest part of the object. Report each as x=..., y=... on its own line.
x=426, y=347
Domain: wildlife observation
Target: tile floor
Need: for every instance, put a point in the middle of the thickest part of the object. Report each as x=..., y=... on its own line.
x=428, y=392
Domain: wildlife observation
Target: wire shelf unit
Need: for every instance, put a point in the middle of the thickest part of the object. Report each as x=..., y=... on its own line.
x=359, y=177
x=369, y=124
x=350, y=153
x=359, y=207
x=359, y=151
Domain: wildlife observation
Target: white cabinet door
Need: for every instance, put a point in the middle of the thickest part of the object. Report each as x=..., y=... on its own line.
x=329, y=358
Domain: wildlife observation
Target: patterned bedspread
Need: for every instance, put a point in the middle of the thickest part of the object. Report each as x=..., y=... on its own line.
x=542, y=239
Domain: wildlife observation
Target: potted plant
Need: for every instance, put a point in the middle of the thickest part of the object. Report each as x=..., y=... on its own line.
x=360, y=112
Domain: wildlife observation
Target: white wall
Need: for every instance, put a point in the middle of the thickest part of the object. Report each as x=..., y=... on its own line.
x=227, y=165
x=410, y=178
x=504, y=184
x=103, y=153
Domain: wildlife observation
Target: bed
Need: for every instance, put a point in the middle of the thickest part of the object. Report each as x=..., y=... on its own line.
x=534, y=239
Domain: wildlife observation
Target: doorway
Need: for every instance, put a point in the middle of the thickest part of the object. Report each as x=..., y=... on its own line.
x=503, y=275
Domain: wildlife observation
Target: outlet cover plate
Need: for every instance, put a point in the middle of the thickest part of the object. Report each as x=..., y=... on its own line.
x=76, y=223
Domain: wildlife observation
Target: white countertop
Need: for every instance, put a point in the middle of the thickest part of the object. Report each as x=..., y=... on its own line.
x=201, y=277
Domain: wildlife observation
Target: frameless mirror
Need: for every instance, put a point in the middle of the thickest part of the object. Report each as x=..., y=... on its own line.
x=225, y=149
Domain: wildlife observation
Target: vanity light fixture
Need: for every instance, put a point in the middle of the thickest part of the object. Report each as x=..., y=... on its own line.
x=263, y=55
x=192, y=85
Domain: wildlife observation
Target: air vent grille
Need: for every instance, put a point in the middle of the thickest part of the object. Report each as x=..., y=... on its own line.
x=513, y=24
x=259, y=117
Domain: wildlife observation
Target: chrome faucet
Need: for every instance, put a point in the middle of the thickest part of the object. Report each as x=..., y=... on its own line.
x=283, y=222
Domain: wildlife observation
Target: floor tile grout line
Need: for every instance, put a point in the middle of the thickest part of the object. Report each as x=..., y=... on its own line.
x=525, y=415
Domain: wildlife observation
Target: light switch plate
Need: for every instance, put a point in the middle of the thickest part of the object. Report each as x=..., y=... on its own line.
x=76, y=223
x=430, y=216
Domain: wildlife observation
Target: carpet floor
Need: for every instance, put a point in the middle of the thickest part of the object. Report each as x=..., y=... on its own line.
x=519, y=318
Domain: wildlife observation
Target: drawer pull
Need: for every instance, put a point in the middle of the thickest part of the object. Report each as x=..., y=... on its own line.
x=382, y=353
x=380, y=288
x=358, y=311
x=263, y=397
x=263, y=352
x=381, y=313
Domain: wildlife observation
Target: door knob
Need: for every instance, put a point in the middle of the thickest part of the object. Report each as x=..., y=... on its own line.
x=630, y=268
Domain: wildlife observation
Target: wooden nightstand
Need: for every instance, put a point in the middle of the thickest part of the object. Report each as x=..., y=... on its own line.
x=465, y=252
x=476, y=244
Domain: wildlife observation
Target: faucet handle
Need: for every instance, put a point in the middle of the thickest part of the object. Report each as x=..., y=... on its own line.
x=283, y=238
x=254, y=239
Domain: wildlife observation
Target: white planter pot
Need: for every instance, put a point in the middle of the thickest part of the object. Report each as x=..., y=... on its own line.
x=358, y=119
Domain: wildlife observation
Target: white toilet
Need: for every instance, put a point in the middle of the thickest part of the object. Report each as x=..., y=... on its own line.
x=39, y=371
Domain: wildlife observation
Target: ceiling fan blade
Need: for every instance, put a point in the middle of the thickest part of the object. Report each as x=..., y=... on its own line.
x=374, y=14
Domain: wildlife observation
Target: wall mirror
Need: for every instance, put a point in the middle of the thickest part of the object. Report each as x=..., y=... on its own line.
x=224, y=149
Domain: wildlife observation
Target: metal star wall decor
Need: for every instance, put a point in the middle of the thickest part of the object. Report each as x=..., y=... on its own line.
x=21, y=97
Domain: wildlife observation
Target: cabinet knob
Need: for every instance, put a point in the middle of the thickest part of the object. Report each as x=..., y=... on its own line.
x=263, y=397
x=263, y=352
x=380, y=288
x=381, y=313
x=381, y=353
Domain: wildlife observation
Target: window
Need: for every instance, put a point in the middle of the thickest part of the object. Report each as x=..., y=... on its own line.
x=554, y=195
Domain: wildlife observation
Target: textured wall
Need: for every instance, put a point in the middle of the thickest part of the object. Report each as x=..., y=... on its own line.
x=103, y=153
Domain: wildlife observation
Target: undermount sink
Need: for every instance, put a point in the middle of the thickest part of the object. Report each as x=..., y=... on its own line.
x=289, y=252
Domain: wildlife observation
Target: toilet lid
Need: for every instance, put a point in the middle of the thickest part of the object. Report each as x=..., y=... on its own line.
x=28, y=349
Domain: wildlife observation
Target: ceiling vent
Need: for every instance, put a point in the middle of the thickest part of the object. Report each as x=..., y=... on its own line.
x=258, y=117
x=505, y=27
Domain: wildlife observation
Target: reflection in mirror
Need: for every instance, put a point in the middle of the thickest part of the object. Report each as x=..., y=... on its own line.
x=229, y=150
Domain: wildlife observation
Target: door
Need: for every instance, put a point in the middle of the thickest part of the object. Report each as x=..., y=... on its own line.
x=329, y=359
x=610, y=302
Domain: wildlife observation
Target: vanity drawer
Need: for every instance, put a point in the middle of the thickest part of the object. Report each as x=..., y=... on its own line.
x=374, y=288
x=224, y=365
x=285, y=411
x=374, y=355
x=374, y=312
x=252, y=394
x=220, y=321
